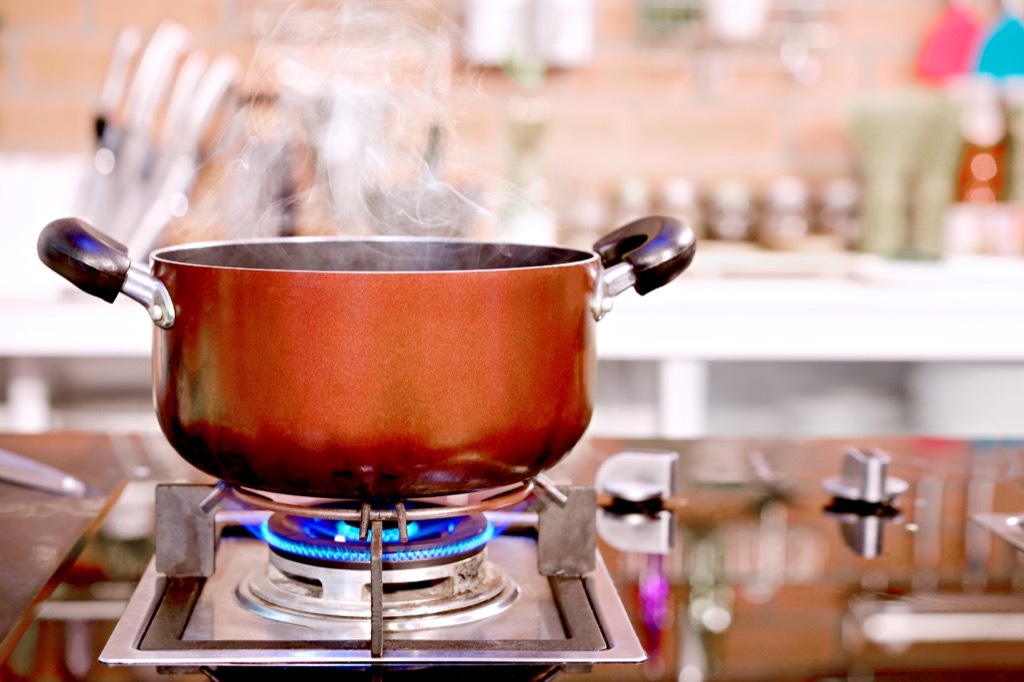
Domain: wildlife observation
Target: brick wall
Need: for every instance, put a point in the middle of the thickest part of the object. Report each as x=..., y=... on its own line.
x=649, y=110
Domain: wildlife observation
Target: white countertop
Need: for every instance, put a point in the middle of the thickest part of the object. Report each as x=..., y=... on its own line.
x=971, y=309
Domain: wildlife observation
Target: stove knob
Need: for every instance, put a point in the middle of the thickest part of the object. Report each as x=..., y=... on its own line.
x=638, y=477
x=863, y=534
x=638, y=484
x=864, y=478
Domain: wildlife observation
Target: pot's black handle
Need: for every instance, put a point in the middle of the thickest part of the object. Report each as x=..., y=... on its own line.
x=658, y=248
x=81, y=254
x=99, y=265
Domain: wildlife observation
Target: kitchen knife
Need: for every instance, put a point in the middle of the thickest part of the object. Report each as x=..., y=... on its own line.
x=24, y=471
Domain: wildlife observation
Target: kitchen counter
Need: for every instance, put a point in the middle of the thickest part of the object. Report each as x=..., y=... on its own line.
x=766, y=579
x=761, y=582
x=964, y=309
x=40, y=532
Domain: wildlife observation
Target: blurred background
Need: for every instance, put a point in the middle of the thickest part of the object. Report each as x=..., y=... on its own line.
x=853, y=169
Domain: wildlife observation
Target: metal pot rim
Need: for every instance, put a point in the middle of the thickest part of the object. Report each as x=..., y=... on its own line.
x=171, y=254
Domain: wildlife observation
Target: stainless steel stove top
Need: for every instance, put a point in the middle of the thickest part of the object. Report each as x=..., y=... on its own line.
x=195, y=622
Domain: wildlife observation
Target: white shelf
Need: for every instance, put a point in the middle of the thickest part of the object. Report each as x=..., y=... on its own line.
x=931, y=318
x=70, y=328
x=927, y=314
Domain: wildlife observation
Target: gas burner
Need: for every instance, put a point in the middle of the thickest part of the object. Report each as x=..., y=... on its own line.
x=215, y=597
x=320, y=569
x=338, y=543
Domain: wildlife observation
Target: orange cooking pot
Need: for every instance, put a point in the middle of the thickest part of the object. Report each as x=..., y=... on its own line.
x=373, y=368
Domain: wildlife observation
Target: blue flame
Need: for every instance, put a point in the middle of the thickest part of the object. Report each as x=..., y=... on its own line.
x=342, y=551
x=344, y=531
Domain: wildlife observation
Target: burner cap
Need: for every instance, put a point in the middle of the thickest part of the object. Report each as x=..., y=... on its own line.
x=337, y=543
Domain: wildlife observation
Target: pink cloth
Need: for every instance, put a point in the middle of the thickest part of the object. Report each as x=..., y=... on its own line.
x=950, y=45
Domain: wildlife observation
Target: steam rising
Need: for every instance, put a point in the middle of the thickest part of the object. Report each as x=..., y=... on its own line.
x=348, y=131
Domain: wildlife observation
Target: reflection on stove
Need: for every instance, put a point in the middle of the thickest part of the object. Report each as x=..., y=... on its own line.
x=773, y=586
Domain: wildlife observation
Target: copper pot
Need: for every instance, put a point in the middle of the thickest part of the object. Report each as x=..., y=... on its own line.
x=380, y=368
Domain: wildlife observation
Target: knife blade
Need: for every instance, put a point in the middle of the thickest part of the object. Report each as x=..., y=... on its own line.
x=24, y=471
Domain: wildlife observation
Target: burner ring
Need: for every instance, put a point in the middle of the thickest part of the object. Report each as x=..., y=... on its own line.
x=465, y=591
x=326, y=542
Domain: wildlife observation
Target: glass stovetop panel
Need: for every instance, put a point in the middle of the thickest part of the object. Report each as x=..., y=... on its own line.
x=763, y=584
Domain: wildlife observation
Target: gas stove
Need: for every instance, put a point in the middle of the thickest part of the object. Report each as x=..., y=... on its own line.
x=754, y=559
x=508, y=579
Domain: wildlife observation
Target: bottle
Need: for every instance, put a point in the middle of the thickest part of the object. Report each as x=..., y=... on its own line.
x=981, y=177
x=680, y=199
x=786, y=220
x=731, y=212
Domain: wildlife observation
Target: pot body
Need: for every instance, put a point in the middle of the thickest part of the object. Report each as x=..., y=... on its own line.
x=370, y=380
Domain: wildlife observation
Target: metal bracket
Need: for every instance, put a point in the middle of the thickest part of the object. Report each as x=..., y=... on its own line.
x=142, y=287
x=1009, y=527
x=376, y=588
x=185, y=533
x=550, y=489
x=567, y=534
x=372, y=521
